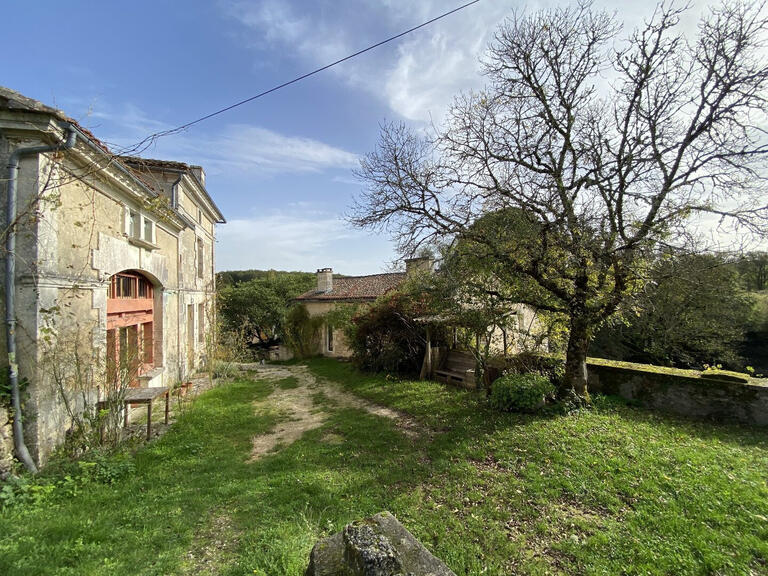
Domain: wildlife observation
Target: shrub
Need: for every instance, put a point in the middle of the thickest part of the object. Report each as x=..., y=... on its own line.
x=223, y=369
x=549, y=366
x=520, y=392
x=385, y=338
x=302, y=331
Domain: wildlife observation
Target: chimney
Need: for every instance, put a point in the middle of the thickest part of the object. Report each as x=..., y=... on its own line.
x=324, y=279
x=199, y=173
x=419, y=266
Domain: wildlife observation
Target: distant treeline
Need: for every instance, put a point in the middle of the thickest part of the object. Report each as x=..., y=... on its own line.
x=234, y=277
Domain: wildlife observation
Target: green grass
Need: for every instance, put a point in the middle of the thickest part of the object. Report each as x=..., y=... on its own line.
x=287, y=383
x=610, y=491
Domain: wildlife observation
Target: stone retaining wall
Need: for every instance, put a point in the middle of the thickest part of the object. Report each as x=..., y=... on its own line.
x=681, y=392
x=6, y=443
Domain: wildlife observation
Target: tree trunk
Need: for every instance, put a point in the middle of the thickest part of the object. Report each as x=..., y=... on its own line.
x=574, y=384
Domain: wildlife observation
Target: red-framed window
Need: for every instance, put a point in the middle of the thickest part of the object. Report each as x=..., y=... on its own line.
x=130, y=326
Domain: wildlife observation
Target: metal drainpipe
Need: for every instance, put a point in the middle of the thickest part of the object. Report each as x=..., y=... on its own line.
x=175, y=191
x=10, y=287
x=175, y=205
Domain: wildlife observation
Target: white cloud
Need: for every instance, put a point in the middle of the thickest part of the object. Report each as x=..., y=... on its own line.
x=419, y=78
x=298, y=238
x=243, y=148
x=416, y=78
x=349, y=180
x=249, y=149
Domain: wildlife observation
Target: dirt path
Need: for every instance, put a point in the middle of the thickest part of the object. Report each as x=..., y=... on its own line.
x=216, y=538
x=301, y=412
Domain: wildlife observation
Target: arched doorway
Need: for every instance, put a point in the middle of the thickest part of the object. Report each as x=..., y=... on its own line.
x=130, y=327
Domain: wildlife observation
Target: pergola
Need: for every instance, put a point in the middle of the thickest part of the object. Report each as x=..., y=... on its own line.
x=455, y=321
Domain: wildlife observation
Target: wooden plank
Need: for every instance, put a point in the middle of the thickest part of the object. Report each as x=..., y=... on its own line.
x=137, y=395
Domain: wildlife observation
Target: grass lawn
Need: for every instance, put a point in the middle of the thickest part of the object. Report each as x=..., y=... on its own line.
x=615, y=490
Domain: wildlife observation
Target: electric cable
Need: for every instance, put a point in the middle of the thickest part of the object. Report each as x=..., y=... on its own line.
x=146, y=142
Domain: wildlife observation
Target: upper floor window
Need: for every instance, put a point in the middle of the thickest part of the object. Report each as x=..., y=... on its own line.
x=148, y=230
x=139, y=228
x=133, y=224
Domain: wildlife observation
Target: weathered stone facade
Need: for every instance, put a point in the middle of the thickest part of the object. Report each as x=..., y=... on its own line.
x=6, y=443
x=86, y=217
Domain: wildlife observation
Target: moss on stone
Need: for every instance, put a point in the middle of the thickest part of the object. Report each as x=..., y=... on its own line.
x=711, y=373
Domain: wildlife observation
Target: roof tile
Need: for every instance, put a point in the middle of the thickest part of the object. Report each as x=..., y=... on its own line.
x=357, y=287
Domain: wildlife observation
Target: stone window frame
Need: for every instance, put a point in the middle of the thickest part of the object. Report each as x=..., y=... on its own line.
x=140, y=229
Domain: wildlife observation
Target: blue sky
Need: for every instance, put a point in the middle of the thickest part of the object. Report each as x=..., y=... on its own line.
x=279, y=167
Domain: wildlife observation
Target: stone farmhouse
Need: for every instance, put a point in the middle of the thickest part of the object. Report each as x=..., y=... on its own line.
x=331, y=292
x=521, y=328
x=114, y=258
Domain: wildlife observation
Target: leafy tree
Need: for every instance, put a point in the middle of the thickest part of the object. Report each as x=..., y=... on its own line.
x=603, y=154
x=692, y=312
x=385, y=336
x=302, y=331
x=259, y=305
x=754, y=270
x=475, y=293
x=234, y=277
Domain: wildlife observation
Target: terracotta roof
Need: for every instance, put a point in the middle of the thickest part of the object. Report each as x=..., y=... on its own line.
x=143, y=166
x=357, y=287
x=155, y=163
x=12, y=100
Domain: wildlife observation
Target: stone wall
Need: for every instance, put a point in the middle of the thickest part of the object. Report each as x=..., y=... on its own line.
x=6, y=443
x=681, y=392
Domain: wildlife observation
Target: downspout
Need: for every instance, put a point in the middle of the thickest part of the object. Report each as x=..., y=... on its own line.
x=10, y=287
x=174, y=191
x=175, y=205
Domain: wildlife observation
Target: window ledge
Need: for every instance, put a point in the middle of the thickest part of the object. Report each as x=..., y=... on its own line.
x=142, y=243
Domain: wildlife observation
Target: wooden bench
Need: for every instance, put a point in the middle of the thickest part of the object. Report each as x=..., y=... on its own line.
x=457, y=368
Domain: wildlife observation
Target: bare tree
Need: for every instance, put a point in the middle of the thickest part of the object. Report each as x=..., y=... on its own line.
x=598, y=150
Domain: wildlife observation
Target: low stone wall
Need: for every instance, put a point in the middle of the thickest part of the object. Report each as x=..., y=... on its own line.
x=681, y=392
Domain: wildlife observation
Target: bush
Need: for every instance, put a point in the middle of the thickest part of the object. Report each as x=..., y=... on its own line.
x=520, y=392
x=224, y=370
x=551, y=367
x=302, y=331
x=98, y=467
x=384, y=337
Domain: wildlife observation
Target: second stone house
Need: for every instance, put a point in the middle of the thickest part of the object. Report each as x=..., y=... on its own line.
x=334, y=290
